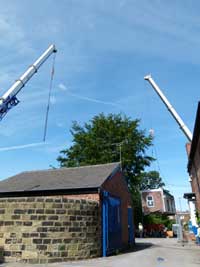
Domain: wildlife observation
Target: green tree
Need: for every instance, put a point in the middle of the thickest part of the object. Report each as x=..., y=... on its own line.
x=151, y=180
x=107, y=139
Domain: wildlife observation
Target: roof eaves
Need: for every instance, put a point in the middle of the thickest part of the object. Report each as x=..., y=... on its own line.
x=50, y=192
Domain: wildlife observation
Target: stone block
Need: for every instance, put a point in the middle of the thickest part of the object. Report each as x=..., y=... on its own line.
x=2, y=211
x=53, y=218
x=50, y=211
x=57, y=206
x=27, y=241
x=60, y=211
x=39, y=211
x=34, y=234
x=27, y=223
x=31, y=211
x=37, y=241
x=53, y=260
x=33, y=217
x=19, y=211
x=49, y=200
x=58, y=224
x=44, y=235
x=29, y=255
x=47, y=241
x=56, y=241
x=42, y=217
x=47, y=223
x=41, y=247
x=30, y=199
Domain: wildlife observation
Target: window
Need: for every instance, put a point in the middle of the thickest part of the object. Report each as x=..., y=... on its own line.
x=168, y=205
x=150, y=201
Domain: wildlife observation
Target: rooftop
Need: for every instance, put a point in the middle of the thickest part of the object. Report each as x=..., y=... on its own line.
x=59, y=179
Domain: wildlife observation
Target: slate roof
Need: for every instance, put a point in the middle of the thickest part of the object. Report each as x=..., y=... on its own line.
x=59, y=179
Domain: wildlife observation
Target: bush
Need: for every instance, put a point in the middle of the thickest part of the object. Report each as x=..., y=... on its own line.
x=159, y=219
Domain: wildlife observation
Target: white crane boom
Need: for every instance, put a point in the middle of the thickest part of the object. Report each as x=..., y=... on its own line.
x=8, y=100
x=178, y=119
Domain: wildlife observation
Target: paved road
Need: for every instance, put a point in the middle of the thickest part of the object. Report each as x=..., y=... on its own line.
x=152, y=252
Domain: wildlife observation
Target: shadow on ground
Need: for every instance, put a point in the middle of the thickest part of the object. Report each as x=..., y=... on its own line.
x=138, y=247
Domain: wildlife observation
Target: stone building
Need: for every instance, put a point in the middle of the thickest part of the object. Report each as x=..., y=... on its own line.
x=158, y=200
x=65, y=214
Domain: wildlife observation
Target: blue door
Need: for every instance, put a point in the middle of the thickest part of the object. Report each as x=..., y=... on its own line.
x=111, y=224
x=131, y=239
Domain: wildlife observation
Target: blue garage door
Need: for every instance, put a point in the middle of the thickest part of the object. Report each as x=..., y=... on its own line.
x=130, y=226
x=112, y=229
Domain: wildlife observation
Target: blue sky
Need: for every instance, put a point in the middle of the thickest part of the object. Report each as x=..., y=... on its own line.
x=105, y=48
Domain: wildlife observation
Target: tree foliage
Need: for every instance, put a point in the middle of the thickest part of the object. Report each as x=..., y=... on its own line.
x=151, y=180
x=107, y=139
x=158, y=219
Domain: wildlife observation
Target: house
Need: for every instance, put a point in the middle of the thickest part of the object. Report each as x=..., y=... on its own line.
x=194, y=165
x=158, y=201
x=65, y=214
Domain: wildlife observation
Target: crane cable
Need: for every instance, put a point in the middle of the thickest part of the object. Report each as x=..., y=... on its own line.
x=49, y=98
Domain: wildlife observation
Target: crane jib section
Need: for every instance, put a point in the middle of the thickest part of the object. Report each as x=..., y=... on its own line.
x=9, y=99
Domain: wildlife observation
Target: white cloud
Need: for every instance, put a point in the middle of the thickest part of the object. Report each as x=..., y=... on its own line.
x=53, y=100
x=9, y=32
x=60, y=124
x=62, y=87
x=13, y=35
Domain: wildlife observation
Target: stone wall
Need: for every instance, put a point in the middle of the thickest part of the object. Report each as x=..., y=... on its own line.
x=49, y=229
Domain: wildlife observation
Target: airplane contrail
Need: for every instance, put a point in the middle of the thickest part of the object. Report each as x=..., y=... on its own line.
x=94, y=100
x=64, y=88
x=10, y=148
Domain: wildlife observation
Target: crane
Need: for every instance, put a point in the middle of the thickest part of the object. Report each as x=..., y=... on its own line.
x=9, y=98
x=178, y=119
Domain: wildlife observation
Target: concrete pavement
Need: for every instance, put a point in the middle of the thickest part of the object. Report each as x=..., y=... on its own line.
x=149, y=252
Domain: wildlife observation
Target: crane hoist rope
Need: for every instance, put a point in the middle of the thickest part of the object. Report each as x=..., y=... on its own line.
x=49, y=98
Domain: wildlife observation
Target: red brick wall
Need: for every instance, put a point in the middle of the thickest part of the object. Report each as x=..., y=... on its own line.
x=195, y=186
x=158, y=201
x=188, y=147
x=195, y=176
x=118, y=187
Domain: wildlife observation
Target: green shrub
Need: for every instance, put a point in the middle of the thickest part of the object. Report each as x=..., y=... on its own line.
x=159, y=219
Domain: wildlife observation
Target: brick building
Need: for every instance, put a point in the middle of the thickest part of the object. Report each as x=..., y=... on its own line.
x=194, y=163
x=158, y=200
x=65, y=214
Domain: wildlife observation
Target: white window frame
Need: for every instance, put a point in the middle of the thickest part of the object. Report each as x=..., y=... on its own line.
x=150, y=201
